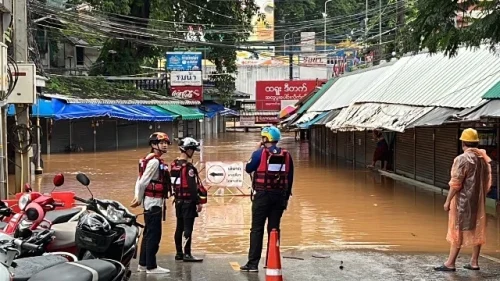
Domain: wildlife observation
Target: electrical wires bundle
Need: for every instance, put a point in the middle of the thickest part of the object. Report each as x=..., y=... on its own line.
x=12, y=70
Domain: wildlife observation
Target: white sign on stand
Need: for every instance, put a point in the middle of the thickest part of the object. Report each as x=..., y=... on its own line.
x=227, y=174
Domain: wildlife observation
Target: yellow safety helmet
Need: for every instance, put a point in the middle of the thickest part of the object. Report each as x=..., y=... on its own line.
x=469, y=135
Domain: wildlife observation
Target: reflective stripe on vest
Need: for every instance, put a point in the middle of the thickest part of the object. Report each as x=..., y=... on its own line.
x=272, y=175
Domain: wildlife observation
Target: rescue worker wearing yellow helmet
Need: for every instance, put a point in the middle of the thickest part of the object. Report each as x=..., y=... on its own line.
x=272, y=181
x=469, y=184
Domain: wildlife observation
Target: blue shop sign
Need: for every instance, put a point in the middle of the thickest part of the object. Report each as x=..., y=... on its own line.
x=183, y=61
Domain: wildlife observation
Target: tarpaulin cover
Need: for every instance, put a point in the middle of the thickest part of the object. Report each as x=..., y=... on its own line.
x=42, y=108
x=64, y=110
x=210, y=109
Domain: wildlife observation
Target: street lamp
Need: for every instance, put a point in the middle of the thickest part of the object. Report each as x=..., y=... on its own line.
x=324, y=31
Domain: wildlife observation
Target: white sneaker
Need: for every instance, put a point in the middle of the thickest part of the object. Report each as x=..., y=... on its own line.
x=141, y=268
x=157, y=270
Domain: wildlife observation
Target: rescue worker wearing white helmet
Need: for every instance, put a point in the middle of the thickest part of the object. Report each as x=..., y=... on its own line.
x=190, y=195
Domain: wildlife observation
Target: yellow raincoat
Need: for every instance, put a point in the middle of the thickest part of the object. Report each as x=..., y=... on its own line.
x=471, y=177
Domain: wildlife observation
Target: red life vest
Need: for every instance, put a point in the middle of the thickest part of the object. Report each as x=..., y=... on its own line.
x=155, y=188
x=179, y=177
x=272, y=173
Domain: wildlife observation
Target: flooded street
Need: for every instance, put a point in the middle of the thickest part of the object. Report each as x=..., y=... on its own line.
x=333, y=206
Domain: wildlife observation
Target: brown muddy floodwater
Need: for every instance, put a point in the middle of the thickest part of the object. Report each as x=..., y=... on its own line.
x=333, y=206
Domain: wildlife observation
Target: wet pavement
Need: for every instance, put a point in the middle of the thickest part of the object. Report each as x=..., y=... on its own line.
x=357, y=265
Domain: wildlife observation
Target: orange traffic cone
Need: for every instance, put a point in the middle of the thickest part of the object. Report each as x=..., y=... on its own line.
x=273, y=271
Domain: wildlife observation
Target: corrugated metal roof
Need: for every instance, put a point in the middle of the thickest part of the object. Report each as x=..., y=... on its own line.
x=437, y=80
x=306, y=117
x=489, y=109
x=329, y=117
x=345, y=90
x=311, y=101
x=493, y=92
x=392, y=117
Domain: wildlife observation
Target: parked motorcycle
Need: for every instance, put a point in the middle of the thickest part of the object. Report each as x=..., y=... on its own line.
x=63, y=265
x=106, y=230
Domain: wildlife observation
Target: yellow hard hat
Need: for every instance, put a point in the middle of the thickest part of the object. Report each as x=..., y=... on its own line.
x=469, y=135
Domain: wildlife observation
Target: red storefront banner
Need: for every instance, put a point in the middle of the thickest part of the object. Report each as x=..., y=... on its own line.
x=266, y=119
x=187, y=92
x=269, y=94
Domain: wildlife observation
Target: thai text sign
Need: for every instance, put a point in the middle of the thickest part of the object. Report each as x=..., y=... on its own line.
x=186, y=78
x=183, y=61
x=269, y=94
x=187, y=92
x=227, y=174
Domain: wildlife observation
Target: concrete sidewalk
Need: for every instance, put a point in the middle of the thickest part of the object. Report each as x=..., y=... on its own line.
x=357, y=265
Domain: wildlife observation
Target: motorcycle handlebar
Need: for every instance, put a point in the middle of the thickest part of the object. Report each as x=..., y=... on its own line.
x=58, y=204
x=27, y=246
x=80, y=199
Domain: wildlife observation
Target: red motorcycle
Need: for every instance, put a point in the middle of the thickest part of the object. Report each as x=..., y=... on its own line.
x=38, y=211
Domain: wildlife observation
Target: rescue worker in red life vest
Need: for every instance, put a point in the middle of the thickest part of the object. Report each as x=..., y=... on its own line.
x=151, y=190
x=189, y=197
x=272, y=180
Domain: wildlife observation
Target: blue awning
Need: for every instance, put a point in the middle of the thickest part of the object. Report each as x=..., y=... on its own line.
x=210, y=109
x=313, y=121
x=129, y=112
x=42, y=108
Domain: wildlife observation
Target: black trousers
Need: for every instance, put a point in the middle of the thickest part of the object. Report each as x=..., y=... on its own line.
x=151, y=238
x=186, y=214
x=265, y=205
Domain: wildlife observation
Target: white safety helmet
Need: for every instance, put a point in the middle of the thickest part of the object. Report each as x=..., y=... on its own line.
x=189, y=143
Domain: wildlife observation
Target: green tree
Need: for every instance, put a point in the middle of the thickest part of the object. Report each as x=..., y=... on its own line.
x=435, y=25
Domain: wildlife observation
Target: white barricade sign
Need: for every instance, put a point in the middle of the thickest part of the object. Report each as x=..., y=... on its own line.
x=226, y=174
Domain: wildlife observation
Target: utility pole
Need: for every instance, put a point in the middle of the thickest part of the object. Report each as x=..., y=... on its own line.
x=5, y=13
x=20, y=45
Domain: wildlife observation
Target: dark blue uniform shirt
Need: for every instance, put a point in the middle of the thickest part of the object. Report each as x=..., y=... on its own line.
x=254, y=163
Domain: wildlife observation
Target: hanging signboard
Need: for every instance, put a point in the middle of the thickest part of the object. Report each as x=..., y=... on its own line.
x=183, y=61
x=187, y=92
x=186, y=78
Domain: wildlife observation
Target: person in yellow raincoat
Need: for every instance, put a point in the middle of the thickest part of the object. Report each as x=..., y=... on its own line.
x=470, y=182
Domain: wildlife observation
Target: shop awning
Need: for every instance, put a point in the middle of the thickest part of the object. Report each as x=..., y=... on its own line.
x=64, y=110
x=328, y=117
x=435, y=117
x=313, y=121
x=184, y=112
x=486, y=109
x=42, y=108
x=306, y=118
x=210, y=109
x=393, y=117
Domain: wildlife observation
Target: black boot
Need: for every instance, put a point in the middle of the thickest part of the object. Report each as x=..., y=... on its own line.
x=249, y=268
x=179, y=256
x=190, y=258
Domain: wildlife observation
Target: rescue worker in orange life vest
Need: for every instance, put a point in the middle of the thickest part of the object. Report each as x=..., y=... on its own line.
x=272, y=180
x=189, y=197
x=151, y=190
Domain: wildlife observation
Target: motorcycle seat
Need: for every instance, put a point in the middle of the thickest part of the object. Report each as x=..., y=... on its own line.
x=85, y=270
x=26, y=267
x=62, y=216
x=131, y=233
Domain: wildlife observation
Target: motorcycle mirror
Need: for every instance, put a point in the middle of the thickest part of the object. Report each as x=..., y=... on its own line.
x=58, y=180
x=83, y=179
x=27, y=187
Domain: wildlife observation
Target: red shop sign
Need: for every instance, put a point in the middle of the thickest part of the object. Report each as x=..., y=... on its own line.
x=187, y=92
x=269, y=94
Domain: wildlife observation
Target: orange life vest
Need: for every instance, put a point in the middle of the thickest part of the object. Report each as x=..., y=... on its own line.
x=179, y=177
x=272, y=173
x=155, y=188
